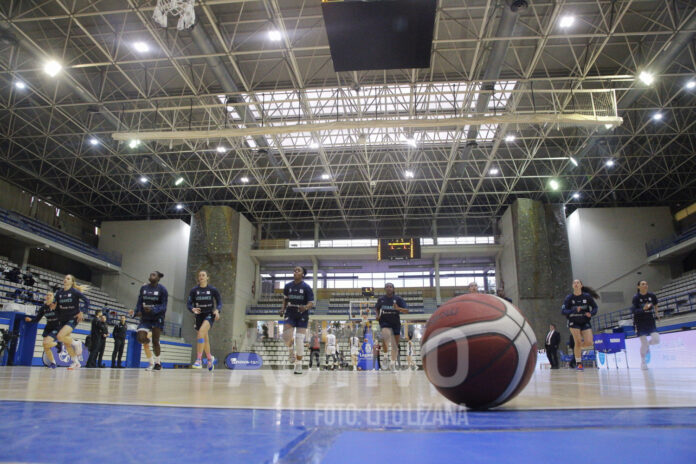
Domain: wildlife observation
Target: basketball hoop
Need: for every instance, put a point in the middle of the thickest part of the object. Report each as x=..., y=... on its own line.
x=181, y=8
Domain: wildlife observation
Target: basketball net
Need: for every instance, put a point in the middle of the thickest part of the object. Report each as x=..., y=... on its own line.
x=181, y=8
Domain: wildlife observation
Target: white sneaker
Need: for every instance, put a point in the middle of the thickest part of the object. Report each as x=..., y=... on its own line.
x=644, y=365
x=75, y=365
x=196, y=365
x=355, y=368
x=298, y=368
x=77, y=346
x=211, y=363
x=151, y=365
x=392, y=366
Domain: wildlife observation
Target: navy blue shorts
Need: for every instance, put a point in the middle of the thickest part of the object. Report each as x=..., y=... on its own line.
x=395, y=326
x=149, y=324
x=583, y=326
x=645, y=329
x=210, y=317
x=72, y=323
x=295, y=318
x=51, y=330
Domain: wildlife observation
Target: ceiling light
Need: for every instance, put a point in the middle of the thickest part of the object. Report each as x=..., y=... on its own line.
x=325, y=176
x=646, y=77
x=510, y=138
x=573, y=160
x=657, y=116
x=274, y=35
x=221, y=149
x=93, y=141
x=609, y=163
x=179, y=181
x=411, y=142
x=314, y=145
x=608, y=126
x=553, y=183
x=324, y=188
x=691, y=84
x=576, y=195
x=179, y=206
x=494, y=172
x=134, y=143
x=20, y=85
x=408, y=174
x=244, y=180
x=566, y=21
x=141, y=47
x=143, y=180
x=52, y=68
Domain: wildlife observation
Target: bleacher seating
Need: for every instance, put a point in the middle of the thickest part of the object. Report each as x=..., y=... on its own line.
x=267, y=304
x=675, y=298
x=275, y=354
x=339, y=303
x=50, y=233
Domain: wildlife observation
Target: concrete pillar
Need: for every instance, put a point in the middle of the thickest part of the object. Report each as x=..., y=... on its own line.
x=535, y=263
x=214, y=246
x=25, y=257
x=316, y=238
x=436, y=261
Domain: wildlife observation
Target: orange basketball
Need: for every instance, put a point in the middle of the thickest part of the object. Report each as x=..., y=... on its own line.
x=478, y=350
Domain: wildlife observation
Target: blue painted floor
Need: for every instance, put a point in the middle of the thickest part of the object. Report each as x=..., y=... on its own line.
x=76, y=433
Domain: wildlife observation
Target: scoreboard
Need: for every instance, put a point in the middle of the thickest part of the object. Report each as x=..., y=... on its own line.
x=400, y=248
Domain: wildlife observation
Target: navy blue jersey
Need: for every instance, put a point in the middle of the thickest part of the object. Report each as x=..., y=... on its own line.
x=206, y=298
x=45, y=311
x=385, y=307
x=640, y=316
x=298, y=294
x=155, y=297
x=68, y=303
x=583, y=301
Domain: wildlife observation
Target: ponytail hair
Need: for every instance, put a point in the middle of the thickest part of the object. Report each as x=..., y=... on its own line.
x=590, y=291
x=79, y=288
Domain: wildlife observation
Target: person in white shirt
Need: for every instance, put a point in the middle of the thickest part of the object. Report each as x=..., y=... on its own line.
x=409, y=355
x=354, y=350
x=330, y=350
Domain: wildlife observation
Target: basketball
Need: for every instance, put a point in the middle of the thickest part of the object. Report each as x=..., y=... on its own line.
x=478, y=350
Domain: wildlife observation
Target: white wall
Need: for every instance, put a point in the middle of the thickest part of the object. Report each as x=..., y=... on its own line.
x=147, y=246
x=607, y=249
x=245, y=276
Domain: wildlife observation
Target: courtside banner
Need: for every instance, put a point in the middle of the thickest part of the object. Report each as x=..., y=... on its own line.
x=243, y=361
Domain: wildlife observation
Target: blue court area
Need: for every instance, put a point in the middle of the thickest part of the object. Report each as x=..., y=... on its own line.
x=43, y=432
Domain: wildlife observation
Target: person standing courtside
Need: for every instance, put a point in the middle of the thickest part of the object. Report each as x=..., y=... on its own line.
x=119, y=334
x=553, y=339
x=94, y=339
x=104, y=334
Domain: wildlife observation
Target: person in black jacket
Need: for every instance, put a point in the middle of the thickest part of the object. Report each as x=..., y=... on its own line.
x=13, y=275
x=119, y=334
x=104, y=332
x=94, y=340
x=553, y=339
x=50, y=333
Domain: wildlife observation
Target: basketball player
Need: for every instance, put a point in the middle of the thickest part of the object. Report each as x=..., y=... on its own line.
x=579, y=307
x=298, y=300
x=354, y=350
x=409, y=355
x=67, y=301
x=151, y=307
x=644, y=315
x=50, y=332
x=388, y=309
x=331, y=350
x=205, y=302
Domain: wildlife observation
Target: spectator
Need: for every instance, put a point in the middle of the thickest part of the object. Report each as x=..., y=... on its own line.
x=375, y=353
x=313, y=350
x=13, y=275
x=553, y=339
x=119, y=334
x=473, y=287
x=104, y=332
x=94, y=340
x=264, y=329
x=29, y=278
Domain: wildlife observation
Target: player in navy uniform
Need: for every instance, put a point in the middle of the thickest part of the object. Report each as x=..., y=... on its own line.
x=298, y=300
x=50, y=332
x=151, y=307
x=644, y=315
x=579, y=307
x=388, y=309
x=205, y=302
x=67, y=301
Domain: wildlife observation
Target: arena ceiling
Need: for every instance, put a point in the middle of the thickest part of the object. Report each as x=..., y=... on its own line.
x=122, y=72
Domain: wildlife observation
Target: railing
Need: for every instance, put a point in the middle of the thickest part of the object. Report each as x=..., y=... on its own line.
x=657, y=245
x=670, y=306
x=48, y=232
